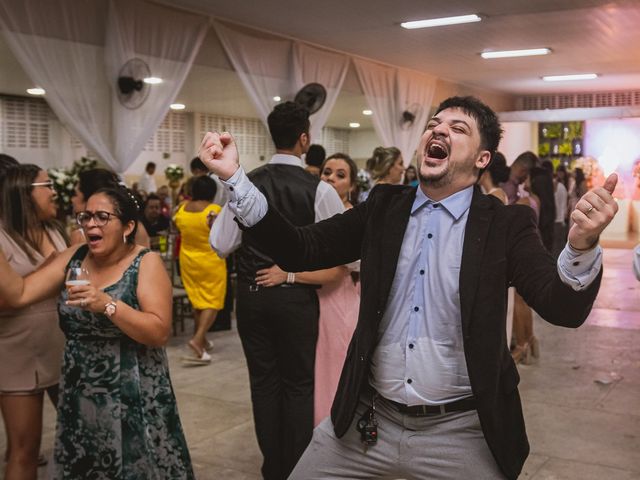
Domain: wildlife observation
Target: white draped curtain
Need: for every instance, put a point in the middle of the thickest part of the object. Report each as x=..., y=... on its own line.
x=74, y=50
x=263, y=65
x=168, y=41
x=270, y=67
x=390, y=91
x=327, y=68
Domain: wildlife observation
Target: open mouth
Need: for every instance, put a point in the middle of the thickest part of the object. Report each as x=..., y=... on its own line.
x=437, y=150
x=93, y=239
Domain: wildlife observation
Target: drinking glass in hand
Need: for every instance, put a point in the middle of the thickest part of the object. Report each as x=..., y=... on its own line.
x=77, y=276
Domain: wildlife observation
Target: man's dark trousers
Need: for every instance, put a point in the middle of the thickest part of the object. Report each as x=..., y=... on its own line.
x=278, y=328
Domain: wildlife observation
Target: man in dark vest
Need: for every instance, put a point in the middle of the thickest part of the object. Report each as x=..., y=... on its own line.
x=278, y=325
x=428, y=388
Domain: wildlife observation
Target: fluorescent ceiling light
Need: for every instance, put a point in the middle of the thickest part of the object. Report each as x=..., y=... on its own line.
x=437, y=22
x=516, y=53
x=354, y=125
x=177, y=106
x=562, y=78
x=367, y=112
x=35, y=91
x=152, y=80
x=276, y=98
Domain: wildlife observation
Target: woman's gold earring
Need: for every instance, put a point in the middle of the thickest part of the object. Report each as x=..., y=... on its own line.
x=124, y=238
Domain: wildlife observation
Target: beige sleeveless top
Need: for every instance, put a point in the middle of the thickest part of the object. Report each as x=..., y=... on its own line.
x=31, y=341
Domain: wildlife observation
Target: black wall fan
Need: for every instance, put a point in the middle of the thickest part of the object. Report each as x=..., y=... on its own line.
x=312, y=96
x=408, y=116
x=131, y=89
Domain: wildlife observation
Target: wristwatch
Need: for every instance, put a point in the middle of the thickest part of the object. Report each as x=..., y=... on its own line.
x=110, y=308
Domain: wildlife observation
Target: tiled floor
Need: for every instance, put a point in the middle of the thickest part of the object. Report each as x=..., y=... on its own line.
x=581, y=399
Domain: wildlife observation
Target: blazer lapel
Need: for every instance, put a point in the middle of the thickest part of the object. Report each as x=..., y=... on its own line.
x=475, y=238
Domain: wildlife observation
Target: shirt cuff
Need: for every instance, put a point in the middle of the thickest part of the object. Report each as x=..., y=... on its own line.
x=245, y=200
x=238, y=185
x=579, y=269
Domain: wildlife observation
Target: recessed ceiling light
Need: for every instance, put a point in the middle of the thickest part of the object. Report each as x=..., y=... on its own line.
x=152, y=80
x=354, y=125
x=35, y=91
x=177, y=106
x=276, y=98
x=562, y=78
x=516, y=53
x=437, y=22
x=367, y=112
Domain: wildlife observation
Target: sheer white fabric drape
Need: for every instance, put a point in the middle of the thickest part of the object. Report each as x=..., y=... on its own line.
x=74, y=50
x=270, y=67
x=389, y=92
x=327, y=68
x=168, y=41
x=60, y=45
x=264, y=66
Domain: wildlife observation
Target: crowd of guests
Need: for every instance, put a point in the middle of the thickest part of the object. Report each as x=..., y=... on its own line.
x=105, y=368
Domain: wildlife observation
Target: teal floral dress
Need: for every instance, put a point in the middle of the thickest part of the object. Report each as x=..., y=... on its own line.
x=117, y=414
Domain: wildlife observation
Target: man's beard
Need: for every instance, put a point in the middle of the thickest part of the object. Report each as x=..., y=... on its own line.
x=437, y=181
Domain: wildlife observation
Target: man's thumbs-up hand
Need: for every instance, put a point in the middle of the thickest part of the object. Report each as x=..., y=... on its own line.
x=593, y=212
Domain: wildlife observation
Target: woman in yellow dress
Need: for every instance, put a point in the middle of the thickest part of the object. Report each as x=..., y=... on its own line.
x=203, y=273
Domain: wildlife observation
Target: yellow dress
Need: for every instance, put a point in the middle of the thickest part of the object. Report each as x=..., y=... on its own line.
x=203, y=272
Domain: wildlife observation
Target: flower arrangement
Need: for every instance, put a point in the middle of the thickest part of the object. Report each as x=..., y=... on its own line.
x=174, y=173
x=65, y=180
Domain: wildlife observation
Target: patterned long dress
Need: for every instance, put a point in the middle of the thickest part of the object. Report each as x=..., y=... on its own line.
x=117, y=414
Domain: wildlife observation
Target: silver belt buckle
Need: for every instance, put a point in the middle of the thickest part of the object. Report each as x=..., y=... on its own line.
x=254, y=288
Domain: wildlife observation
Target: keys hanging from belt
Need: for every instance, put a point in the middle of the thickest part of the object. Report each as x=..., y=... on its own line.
x=368, y=426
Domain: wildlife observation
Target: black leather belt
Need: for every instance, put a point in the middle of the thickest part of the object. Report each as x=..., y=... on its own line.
x=462, y=405
x=254, y=288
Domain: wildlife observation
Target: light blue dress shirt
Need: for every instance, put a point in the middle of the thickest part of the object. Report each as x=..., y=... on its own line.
x=420, y=356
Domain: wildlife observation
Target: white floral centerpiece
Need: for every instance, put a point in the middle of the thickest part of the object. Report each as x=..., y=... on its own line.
x=174, y=173
x=65, y=180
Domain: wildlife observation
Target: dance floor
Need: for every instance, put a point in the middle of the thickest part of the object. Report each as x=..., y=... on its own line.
x=581, y=398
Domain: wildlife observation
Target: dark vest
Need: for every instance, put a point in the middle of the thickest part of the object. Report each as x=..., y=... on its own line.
x=292, y=191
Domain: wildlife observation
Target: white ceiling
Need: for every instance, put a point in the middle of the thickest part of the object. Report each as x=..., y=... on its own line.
x=585, y=36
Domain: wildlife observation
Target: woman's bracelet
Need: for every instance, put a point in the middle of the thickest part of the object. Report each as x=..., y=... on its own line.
x=291, y=277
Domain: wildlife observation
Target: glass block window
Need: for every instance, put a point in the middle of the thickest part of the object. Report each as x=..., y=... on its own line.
x=24, y=122
x=250, y=134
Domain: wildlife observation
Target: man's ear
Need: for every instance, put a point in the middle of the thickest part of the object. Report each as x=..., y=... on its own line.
x=304, y=139
x=484, y=159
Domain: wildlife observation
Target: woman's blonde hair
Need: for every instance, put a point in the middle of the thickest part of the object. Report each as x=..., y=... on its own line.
x=381, y=161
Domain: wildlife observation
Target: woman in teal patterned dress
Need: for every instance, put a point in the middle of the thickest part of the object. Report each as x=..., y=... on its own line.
x=117, y=414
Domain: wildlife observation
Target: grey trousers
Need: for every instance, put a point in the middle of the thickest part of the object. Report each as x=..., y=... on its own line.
x=449, y=446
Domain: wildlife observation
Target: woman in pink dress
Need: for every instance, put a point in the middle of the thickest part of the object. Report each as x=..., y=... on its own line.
x=339, y=301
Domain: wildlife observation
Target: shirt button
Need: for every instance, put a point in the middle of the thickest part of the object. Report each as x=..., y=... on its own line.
x=575, y=264
x=421, y=272
x=231, y=189
x=429, y=236
x=436, y=205
x=411, y=346
x=416, y=309
x=409, y=381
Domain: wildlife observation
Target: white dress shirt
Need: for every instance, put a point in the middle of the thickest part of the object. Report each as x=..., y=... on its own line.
x=147, y=183
x=561, y=199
